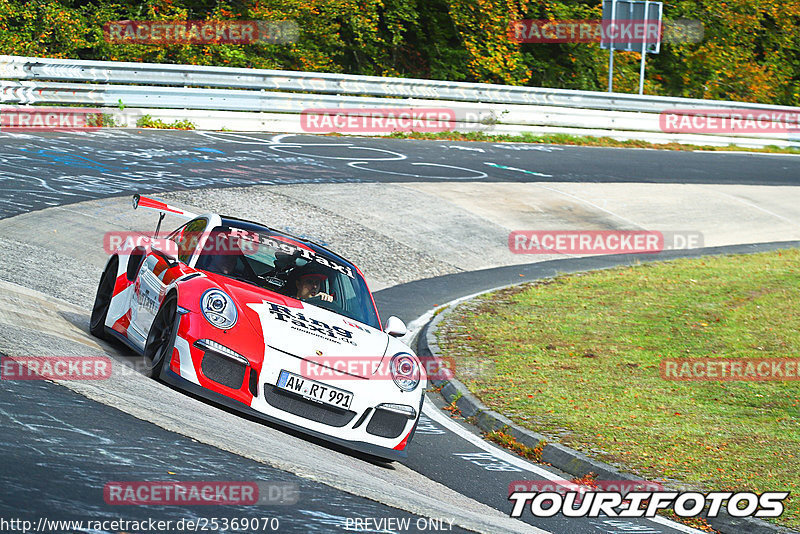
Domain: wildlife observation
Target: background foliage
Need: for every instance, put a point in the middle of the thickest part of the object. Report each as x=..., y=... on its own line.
x=750, y=51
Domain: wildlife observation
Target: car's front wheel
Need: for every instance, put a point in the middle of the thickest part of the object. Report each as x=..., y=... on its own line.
x=161, y=338
x=102, y=300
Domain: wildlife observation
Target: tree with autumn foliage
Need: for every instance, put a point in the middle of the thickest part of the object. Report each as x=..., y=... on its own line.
x=750, y=51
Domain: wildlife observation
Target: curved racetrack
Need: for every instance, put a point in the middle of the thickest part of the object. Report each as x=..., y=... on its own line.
x=427, y=221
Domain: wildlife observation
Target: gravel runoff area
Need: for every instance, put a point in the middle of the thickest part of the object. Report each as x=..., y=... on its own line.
x=292, y=209
x=394, y=233
x=397, y=233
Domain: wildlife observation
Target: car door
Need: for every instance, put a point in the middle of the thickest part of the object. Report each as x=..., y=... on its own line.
x=158, y=270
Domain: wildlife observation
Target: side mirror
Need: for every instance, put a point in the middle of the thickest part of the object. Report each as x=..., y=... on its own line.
x=395, y=327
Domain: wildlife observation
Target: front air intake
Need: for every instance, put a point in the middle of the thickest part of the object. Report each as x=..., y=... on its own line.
x=387, y=424
x=223, y=370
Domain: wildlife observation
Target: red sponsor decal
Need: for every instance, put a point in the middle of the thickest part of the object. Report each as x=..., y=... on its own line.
x=377, y=120
x=146, y=202
x=584, y=31
x=720, y=121
x=731, y=369
x=181, y=493
x=35, y=118
x=55, y=367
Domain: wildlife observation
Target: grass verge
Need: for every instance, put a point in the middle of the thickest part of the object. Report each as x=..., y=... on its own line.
x=577, y=358
x=580, y=140
x=147, y=121
x=507, y=441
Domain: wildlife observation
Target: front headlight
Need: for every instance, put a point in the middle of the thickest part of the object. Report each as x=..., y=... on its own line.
x=218, y=308
x=405, y=371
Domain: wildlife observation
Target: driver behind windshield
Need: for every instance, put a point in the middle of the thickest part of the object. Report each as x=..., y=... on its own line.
x=308, y=287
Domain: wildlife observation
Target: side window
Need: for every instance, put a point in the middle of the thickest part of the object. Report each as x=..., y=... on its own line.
x=176, y=235
x=187, y=237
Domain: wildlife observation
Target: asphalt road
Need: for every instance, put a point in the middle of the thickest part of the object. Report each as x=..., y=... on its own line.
x=49, y=169
x=61, y=447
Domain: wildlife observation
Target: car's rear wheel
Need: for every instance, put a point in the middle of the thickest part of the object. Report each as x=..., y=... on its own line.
x=161, y=338
x=102, y=301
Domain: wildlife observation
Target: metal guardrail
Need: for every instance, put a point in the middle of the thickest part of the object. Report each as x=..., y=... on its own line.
x=29, y=68
x=29, y=80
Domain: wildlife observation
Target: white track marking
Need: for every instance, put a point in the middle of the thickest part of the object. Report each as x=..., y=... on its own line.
x=395, y=156
x=437, y=416
x=479, y=175
x=279, y=138
x=673, y=525
x=457, y=147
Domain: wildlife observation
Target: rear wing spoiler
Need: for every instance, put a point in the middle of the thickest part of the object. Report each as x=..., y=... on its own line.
x=150, y=203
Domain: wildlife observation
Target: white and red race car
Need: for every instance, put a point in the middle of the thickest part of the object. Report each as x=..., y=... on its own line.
x=266, y=323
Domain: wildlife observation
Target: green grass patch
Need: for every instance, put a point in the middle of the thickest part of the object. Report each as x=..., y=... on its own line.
x=577, y=358
x=147, y=121
x=580, y=140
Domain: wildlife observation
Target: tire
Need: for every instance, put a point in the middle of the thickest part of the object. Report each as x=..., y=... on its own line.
x=161, y=338
x=102, y=301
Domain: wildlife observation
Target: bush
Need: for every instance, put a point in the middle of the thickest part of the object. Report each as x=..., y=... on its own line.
x=748, y=53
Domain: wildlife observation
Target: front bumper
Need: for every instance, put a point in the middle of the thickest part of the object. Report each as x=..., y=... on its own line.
x=174, y=379
x=251, y=391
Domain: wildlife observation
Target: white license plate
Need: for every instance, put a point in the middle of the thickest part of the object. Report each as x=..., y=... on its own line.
x=316, y=391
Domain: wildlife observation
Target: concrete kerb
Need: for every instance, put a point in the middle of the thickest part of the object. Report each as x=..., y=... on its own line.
x=559, y=456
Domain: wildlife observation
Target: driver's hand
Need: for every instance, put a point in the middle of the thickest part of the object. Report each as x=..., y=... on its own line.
x=324, y=296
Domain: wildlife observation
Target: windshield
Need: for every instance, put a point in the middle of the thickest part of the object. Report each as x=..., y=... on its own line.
x=281, y=264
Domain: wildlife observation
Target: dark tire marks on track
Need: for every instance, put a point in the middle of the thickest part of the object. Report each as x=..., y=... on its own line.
x=50, y=169
x=46, y=170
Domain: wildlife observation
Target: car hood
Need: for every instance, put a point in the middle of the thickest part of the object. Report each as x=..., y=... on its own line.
x=310, y=332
